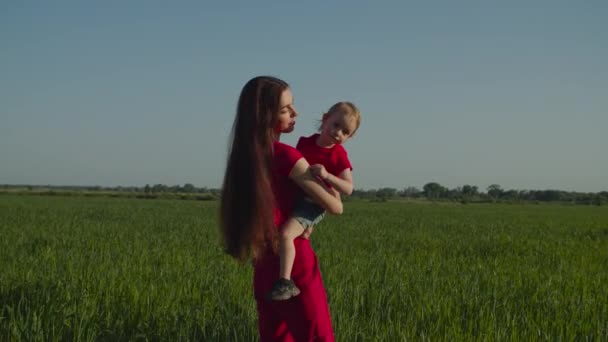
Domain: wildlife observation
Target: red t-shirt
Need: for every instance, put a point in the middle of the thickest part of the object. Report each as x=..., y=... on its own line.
x=334, y=159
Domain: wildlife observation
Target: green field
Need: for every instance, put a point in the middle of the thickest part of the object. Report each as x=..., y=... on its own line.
x=75, y=268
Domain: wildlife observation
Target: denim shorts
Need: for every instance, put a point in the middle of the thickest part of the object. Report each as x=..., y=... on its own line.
x=308, y=213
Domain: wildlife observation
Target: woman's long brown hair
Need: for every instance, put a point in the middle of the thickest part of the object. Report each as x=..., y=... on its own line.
x=246, y=209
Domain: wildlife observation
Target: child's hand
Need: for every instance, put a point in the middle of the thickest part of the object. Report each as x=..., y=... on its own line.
x=318, y=170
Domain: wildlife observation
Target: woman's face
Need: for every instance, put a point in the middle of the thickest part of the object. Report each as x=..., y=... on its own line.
x=287, y=113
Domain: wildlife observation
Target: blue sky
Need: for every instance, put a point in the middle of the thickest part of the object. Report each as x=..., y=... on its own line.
x=469, y=92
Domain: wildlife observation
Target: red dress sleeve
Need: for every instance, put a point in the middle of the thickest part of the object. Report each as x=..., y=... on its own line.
x=284, y=190
x=285, y=157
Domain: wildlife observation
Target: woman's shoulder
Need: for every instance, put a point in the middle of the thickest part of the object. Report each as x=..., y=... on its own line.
x=280, y=148
x=286, y=153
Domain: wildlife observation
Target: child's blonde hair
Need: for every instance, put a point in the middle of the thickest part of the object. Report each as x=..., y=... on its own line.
x=345, y=108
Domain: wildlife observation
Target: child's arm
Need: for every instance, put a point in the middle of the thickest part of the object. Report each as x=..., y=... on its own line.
x=344, y=183
x=302, y=175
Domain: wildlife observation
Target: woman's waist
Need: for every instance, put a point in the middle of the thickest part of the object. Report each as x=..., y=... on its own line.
x=304, y=254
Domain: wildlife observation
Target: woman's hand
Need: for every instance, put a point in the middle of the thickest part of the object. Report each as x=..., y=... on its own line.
x=318, y=170
x=308, y=232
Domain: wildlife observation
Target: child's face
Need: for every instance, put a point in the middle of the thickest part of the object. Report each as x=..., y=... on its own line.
x=337, y=128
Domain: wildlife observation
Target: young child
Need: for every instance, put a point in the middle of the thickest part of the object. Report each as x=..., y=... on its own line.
x=329, y=162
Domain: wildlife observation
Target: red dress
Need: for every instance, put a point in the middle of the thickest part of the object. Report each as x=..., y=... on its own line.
x=306, y=316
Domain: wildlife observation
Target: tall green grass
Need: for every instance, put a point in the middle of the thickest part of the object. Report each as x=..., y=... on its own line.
x=126, y=269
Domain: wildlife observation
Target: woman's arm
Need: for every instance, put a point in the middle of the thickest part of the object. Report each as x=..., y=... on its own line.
x=328, y=199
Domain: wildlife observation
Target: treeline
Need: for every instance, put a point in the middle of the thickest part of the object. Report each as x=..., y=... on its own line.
x=156, y=188
x=470, y=193
x=431, y=191
x=156, y=191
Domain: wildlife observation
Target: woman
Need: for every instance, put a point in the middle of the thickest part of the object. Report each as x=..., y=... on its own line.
x=262, y=179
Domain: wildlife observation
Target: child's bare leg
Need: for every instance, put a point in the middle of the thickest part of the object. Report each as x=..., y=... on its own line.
x=287, y=250
x=284, y=288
